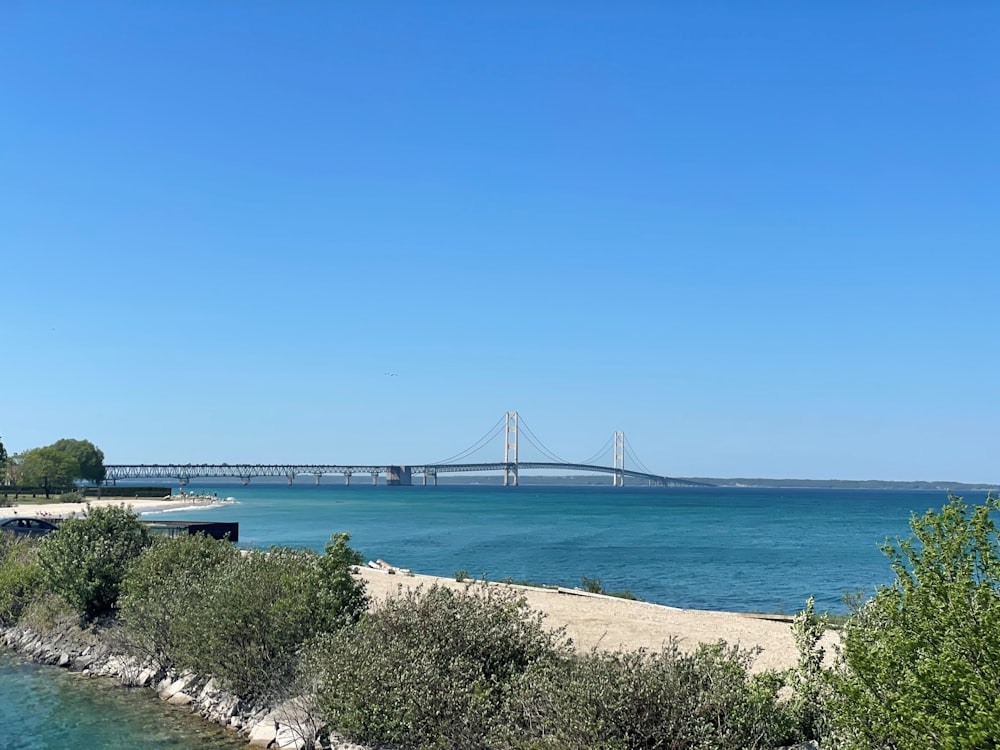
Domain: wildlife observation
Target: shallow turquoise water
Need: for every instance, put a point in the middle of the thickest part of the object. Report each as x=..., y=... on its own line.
x=47, y=708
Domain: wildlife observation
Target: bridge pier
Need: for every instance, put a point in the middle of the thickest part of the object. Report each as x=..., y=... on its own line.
x=183, y=481
x=347, y=478
x=290, y=478
x=374, y=478
x=317, y=479
x=244, y=481
x=399, y=476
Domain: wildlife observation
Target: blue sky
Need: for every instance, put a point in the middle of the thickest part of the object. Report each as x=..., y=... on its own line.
x=761, y=238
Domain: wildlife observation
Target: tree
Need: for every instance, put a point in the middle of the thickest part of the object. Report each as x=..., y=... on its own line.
x=3, y=462
x=86, y=560
x=87, y=455
x=61, y=464
x=48, y=467
x=922, y=658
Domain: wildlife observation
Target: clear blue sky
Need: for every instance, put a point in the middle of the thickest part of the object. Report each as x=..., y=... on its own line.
x=760, y=238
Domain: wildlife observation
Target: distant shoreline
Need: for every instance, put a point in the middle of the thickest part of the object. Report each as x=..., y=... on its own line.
x=600, y=481
x=848, y=484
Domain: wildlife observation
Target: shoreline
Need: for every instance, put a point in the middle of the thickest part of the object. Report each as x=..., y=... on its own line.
x=138, y=504
x=608, y=623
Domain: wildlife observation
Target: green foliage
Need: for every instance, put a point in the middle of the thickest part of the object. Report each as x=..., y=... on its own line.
x=809, y=680
x=341, y=597
x=89, y=458
x=20, y=575
x=49, y=468
x=159, y=588
x=198, y=603
x=3, y=462
x=58, y=465
x=430, y=667
x=461, y=575
x=922, y=657
x=671, y=699
x=85, y=561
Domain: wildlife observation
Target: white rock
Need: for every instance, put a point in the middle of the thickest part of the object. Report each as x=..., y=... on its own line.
x=263, y=733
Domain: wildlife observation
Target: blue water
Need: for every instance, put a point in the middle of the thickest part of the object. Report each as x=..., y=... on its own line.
x=748, y=550
x=715, y=548
x=46, y=708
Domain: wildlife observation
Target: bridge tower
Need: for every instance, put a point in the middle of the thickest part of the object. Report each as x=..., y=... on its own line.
x=618, y=478
x=510, y=442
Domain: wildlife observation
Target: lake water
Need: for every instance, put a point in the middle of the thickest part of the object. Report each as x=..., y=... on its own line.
x=740, y=549
x=714, y=548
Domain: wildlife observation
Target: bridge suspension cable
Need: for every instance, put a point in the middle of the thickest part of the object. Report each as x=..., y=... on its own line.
x=634, y=457
x=532, y=438
x=478, y=445
x=600, y=454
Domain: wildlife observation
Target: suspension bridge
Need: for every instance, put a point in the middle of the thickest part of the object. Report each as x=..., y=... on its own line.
x=510, y=425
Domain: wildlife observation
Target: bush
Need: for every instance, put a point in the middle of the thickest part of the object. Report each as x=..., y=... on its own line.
x=158, y=590
x=430, y=667
x=922, y=657
x=704, y=700
x=20, y=575
x=200, y=604
x=85, y=561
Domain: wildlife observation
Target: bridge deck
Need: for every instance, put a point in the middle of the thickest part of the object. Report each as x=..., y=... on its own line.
x=245, y=472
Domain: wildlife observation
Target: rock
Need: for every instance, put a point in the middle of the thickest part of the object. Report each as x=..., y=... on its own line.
x=172, y=688
x=63, y=659
x=180, y=699
x=263, y=733
x=287, y=738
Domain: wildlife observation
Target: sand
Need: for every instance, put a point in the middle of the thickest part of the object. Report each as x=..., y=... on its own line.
x=610, y=623
x=138, y=504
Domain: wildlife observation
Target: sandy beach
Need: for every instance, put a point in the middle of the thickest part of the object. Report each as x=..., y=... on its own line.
x=609, y=623
x=138, y=504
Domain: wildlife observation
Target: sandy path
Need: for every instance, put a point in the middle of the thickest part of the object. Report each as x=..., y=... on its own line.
x=610, y=623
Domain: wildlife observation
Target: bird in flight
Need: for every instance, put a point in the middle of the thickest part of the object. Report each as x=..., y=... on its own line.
x=391, y=374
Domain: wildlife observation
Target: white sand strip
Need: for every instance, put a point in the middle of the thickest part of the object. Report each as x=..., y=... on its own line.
x=138, y=504
x=610, y=623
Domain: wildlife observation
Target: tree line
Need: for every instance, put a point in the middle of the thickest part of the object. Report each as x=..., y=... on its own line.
x=52, y=468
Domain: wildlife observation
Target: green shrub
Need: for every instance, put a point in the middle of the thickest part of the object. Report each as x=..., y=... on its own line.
x=200, y=604
x=159, y=588
x=671, y=699
x=922, y=658
x=20, y=575
x=341, y=598
x=429, y=668
x=85, y=561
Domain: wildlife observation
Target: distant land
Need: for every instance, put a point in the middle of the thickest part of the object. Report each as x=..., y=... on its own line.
x=842, y=484
x=847, y=484
x=605, y=479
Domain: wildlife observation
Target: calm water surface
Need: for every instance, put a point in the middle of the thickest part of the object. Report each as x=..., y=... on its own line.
x=716, y=548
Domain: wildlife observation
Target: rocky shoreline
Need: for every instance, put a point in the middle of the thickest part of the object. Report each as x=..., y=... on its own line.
x=288, y=725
